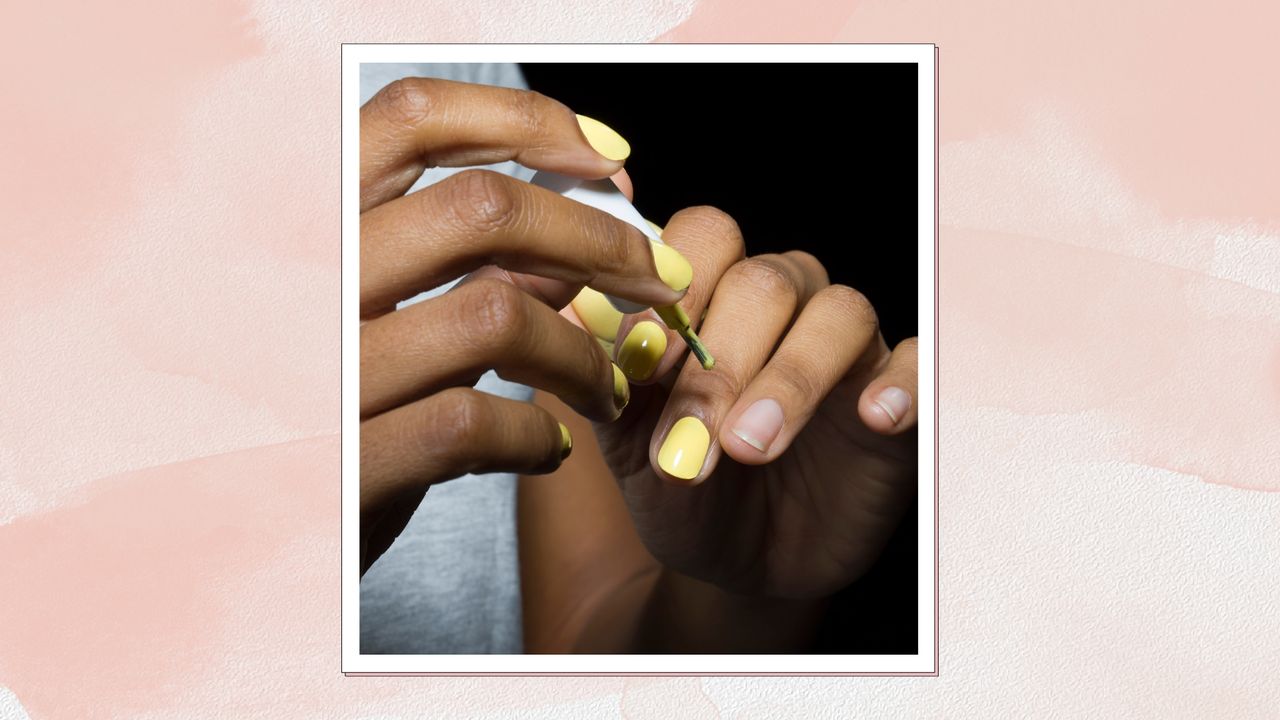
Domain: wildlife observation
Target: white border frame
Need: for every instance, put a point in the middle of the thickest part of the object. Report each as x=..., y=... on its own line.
x=923, y=663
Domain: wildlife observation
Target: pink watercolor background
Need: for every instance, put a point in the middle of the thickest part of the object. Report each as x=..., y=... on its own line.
x=1110, y=359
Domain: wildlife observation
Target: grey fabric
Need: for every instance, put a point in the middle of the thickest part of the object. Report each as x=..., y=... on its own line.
x=451, y=582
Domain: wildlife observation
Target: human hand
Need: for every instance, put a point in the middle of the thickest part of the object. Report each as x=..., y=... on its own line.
x=528, y=251
x=784, y=469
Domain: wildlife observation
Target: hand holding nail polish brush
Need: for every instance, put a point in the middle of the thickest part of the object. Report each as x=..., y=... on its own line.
x=674, y=269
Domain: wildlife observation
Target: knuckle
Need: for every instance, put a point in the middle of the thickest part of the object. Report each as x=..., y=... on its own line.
x=809, y=263
x=768, y=277
x=851, y=305
x=459, y=417
x=527, y=106
x=481, y=200
x=494, y=313
x=796, y=381
x=714, y=226
x=725, y=386
x=408, y=101
x=613, y=244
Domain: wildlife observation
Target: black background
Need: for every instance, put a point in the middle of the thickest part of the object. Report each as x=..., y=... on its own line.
x=821, y=158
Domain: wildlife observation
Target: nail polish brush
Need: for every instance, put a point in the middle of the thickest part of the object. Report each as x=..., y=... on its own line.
x=604, y=195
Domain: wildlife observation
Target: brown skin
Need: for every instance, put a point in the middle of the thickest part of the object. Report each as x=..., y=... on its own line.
x=811, y=515
x=420, y=422
x=589, y=585
x=741, y=558
x=671, y=565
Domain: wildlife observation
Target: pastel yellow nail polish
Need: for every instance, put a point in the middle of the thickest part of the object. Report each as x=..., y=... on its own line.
x=655, y=226
x=621, y=389
x=601, y=318
x=604, y=139
x=685, y=448
x=674, y=270
x=641, y=350
x=566, y=442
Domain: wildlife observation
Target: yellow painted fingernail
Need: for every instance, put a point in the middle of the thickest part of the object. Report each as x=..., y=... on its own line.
x=656, y=227
x=674, y=270
x=566, y=442
x=604, y=139
x=600, y=317
x=621, y=389
x=685, y=448
x=642, y=349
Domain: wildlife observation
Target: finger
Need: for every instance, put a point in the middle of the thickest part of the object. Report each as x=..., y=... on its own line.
x=453, y=339
x=381, y=529
x=478, y=218
x=754, y=303
x=456, y=432
x=835, y=333
x=593, y=312
x=888, y=404
x=417, y=123
x=711, y=242
x=623, y=181
x=555, y=293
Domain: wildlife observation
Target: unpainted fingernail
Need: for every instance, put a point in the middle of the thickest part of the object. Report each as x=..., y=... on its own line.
x=895, y=402
x=685, y=448
x=566, y=442
x=760, y=424
x=621, y=389
x=641, y=350
x=604, y=139
x=674, y=270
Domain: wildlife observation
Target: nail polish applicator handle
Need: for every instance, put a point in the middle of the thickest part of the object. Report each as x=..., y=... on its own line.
x=604, y=195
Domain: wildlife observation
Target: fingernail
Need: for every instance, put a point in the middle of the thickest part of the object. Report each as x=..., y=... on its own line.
x=621, y=389
x=685, y=448
x=674, y=270
x=601, y=318
x=566, y=442
x=642, y=349
x=655, y=227
x=604, y=139
x=895, y=402
x=760, y=424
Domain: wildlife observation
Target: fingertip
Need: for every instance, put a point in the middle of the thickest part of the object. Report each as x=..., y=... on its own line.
x=641, y=349
x=742, y=448
x=886, y=409
x=875, y=417
x=604, y=140
x=754, y=435
x=623, y=181
x=684, y=456
x=566, y=442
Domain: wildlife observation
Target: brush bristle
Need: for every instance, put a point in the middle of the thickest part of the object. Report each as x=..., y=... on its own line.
x=677, y=320
x=699, y=350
